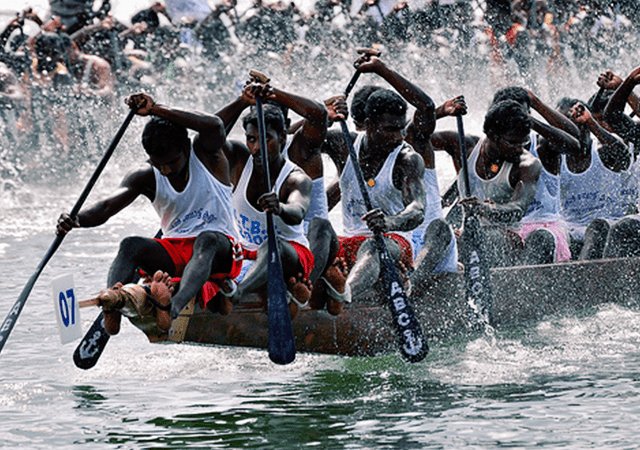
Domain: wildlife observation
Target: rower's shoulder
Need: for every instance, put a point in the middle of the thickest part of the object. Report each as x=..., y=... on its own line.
x=530, y=164
x=408, y=156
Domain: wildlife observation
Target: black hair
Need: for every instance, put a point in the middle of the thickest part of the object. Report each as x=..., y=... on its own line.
x=65, y=41
x=273, y=118
x=162, y=137
x=46, y=43
x=567, y=102
x=146, y=15
x=507, y=116
x=359, y=102
x=516, y=93
x=385, y=101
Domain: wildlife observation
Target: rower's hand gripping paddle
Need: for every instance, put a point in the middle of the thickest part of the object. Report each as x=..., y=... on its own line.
x=477, y=278
x=282, y=346
x=11, y=319
x=411, y=340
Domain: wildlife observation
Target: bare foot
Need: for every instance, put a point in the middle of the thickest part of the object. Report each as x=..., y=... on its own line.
x=300, y=288
x=111, y=301
x=110, y=298
x=161, y=290
x=336, y=277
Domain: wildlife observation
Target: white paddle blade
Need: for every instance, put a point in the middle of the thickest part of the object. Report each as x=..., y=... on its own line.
x=67, y=308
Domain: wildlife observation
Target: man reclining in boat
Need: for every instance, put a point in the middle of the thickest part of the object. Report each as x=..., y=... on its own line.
x=189, y=185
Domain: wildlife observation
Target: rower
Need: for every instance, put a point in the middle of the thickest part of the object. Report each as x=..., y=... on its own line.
x=189, y=186
x=503, y=176
x=434, y=247
x=395, y=181
x=289, y=199
x=545, y=235
x=598, y=186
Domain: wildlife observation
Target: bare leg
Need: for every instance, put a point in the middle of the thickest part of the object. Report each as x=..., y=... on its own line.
x=623, y=240
x=258, y=273
x=366, y=270
x=336, y=276
x=134, y=252
x=594, y=240
x=323, y=243
x=539, y=247
x=437, y=238
x=212, y=253
x=138, y=252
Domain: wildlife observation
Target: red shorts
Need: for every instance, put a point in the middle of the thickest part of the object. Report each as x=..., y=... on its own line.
x=349, y=247
x=181, y=250
x=304, y=256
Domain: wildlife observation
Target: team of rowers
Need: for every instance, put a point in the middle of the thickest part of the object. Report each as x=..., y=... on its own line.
x=548, y=188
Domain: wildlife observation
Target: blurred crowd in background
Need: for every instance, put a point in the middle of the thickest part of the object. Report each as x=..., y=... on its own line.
x=60, y=82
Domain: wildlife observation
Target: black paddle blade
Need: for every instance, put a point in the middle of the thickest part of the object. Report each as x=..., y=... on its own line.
x=93, y=343
x=282, y=345
x=476, y=273
x=411, y=340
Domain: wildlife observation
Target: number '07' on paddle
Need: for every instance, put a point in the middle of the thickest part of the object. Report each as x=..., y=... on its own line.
x=67, y=308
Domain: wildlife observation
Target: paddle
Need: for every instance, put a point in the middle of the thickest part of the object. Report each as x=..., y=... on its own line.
x=411, y=340
x=476, y=272
x=11, y=319
x=282, y=346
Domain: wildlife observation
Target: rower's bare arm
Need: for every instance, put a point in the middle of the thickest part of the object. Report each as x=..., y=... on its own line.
x=424, y=119
x=621, y=95
x=557, y=140
x=295, y=198
x=334, y=194
x=411, y=171
x=314, y=129
x=211, y=133
x=230, y=113
x=452, y=107
x=554, y=117
x=613, y=151
x=139, y=182
x=514, y=210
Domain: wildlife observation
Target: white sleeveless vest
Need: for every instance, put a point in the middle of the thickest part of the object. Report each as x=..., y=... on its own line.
x=498, y=189
x=383, y=194
x=597, y=192
x=253, y=223
x=545, y=206
x=203, y=205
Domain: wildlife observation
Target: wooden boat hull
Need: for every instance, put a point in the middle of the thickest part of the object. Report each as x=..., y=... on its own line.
x=364, y=328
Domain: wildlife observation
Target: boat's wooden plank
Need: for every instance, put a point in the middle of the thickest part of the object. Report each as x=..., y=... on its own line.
x=364, y=328
x=533, y=292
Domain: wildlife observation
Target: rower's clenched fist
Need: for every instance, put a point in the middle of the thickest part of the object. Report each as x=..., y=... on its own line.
x=142, y=103
x=66, y=223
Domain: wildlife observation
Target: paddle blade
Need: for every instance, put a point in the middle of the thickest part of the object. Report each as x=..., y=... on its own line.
x=411, y=340
x=282, y=345
x=476, y=273
x=93, y=343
